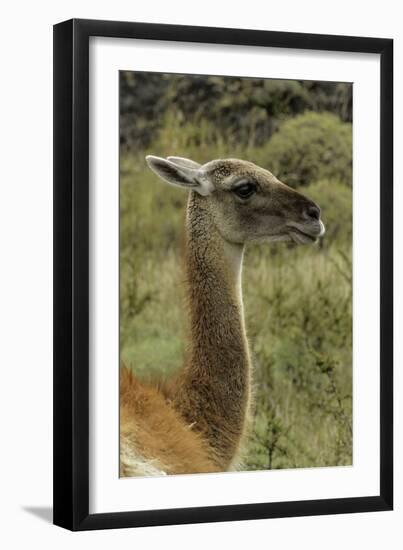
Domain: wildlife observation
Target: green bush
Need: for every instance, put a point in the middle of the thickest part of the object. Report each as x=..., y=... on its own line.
x=310, y=147
x=244, y=111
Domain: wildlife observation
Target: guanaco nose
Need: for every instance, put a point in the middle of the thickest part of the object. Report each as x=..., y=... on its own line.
x=312, y=212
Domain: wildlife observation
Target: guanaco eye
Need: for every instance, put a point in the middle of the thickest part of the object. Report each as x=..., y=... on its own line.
x=245, y=190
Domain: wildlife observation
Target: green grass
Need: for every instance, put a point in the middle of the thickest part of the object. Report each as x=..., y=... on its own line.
x=297, y=306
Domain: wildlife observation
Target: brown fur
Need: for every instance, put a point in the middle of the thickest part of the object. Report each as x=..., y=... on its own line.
x=161, y=436
x=197, y=422
x=213, y=391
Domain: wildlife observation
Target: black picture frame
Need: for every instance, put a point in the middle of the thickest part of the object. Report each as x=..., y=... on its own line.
x=71, y=274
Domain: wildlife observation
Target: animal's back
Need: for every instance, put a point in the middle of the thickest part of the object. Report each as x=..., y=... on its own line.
x=154, y=438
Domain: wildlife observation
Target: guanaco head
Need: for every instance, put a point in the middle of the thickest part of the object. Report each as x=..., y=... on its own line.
x=248, y=203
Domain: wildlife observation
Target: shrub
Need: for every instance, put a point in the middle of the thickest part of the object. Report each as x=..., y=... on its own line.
x=299, y=319
x=310, y=147
x=245, y=111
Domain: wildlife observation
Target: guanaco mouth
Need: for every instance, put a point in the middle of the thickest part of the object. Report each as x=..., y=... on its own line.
x=300, y=237
x=298, y=233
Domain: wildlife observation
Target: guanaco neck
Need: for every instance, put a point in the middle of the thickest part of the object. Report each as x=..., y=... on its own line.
x=214, y=391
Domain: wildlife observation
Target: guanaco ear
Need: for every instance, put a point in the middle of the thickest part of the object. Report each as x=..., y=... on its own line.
x=178, y=174
x=185, y=162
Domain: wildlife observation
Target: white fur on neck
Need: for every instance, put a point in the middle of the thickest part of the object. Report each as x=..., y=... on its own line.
x=234, y=257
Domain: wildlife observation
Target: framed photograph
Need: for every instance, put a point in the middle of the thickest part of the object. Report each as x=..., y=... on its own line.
x=223, y=237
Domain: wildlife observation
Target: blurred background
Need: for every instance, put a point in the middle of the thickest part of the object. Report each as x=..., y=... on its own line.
x=298, y=300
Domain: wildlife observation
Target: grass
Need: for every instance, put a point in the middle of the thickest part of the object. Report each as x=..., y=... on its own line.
x=297, y=306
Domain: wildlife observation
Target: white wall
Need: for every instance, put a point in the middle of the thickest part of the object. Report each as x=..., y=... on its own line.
x=26, y=283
